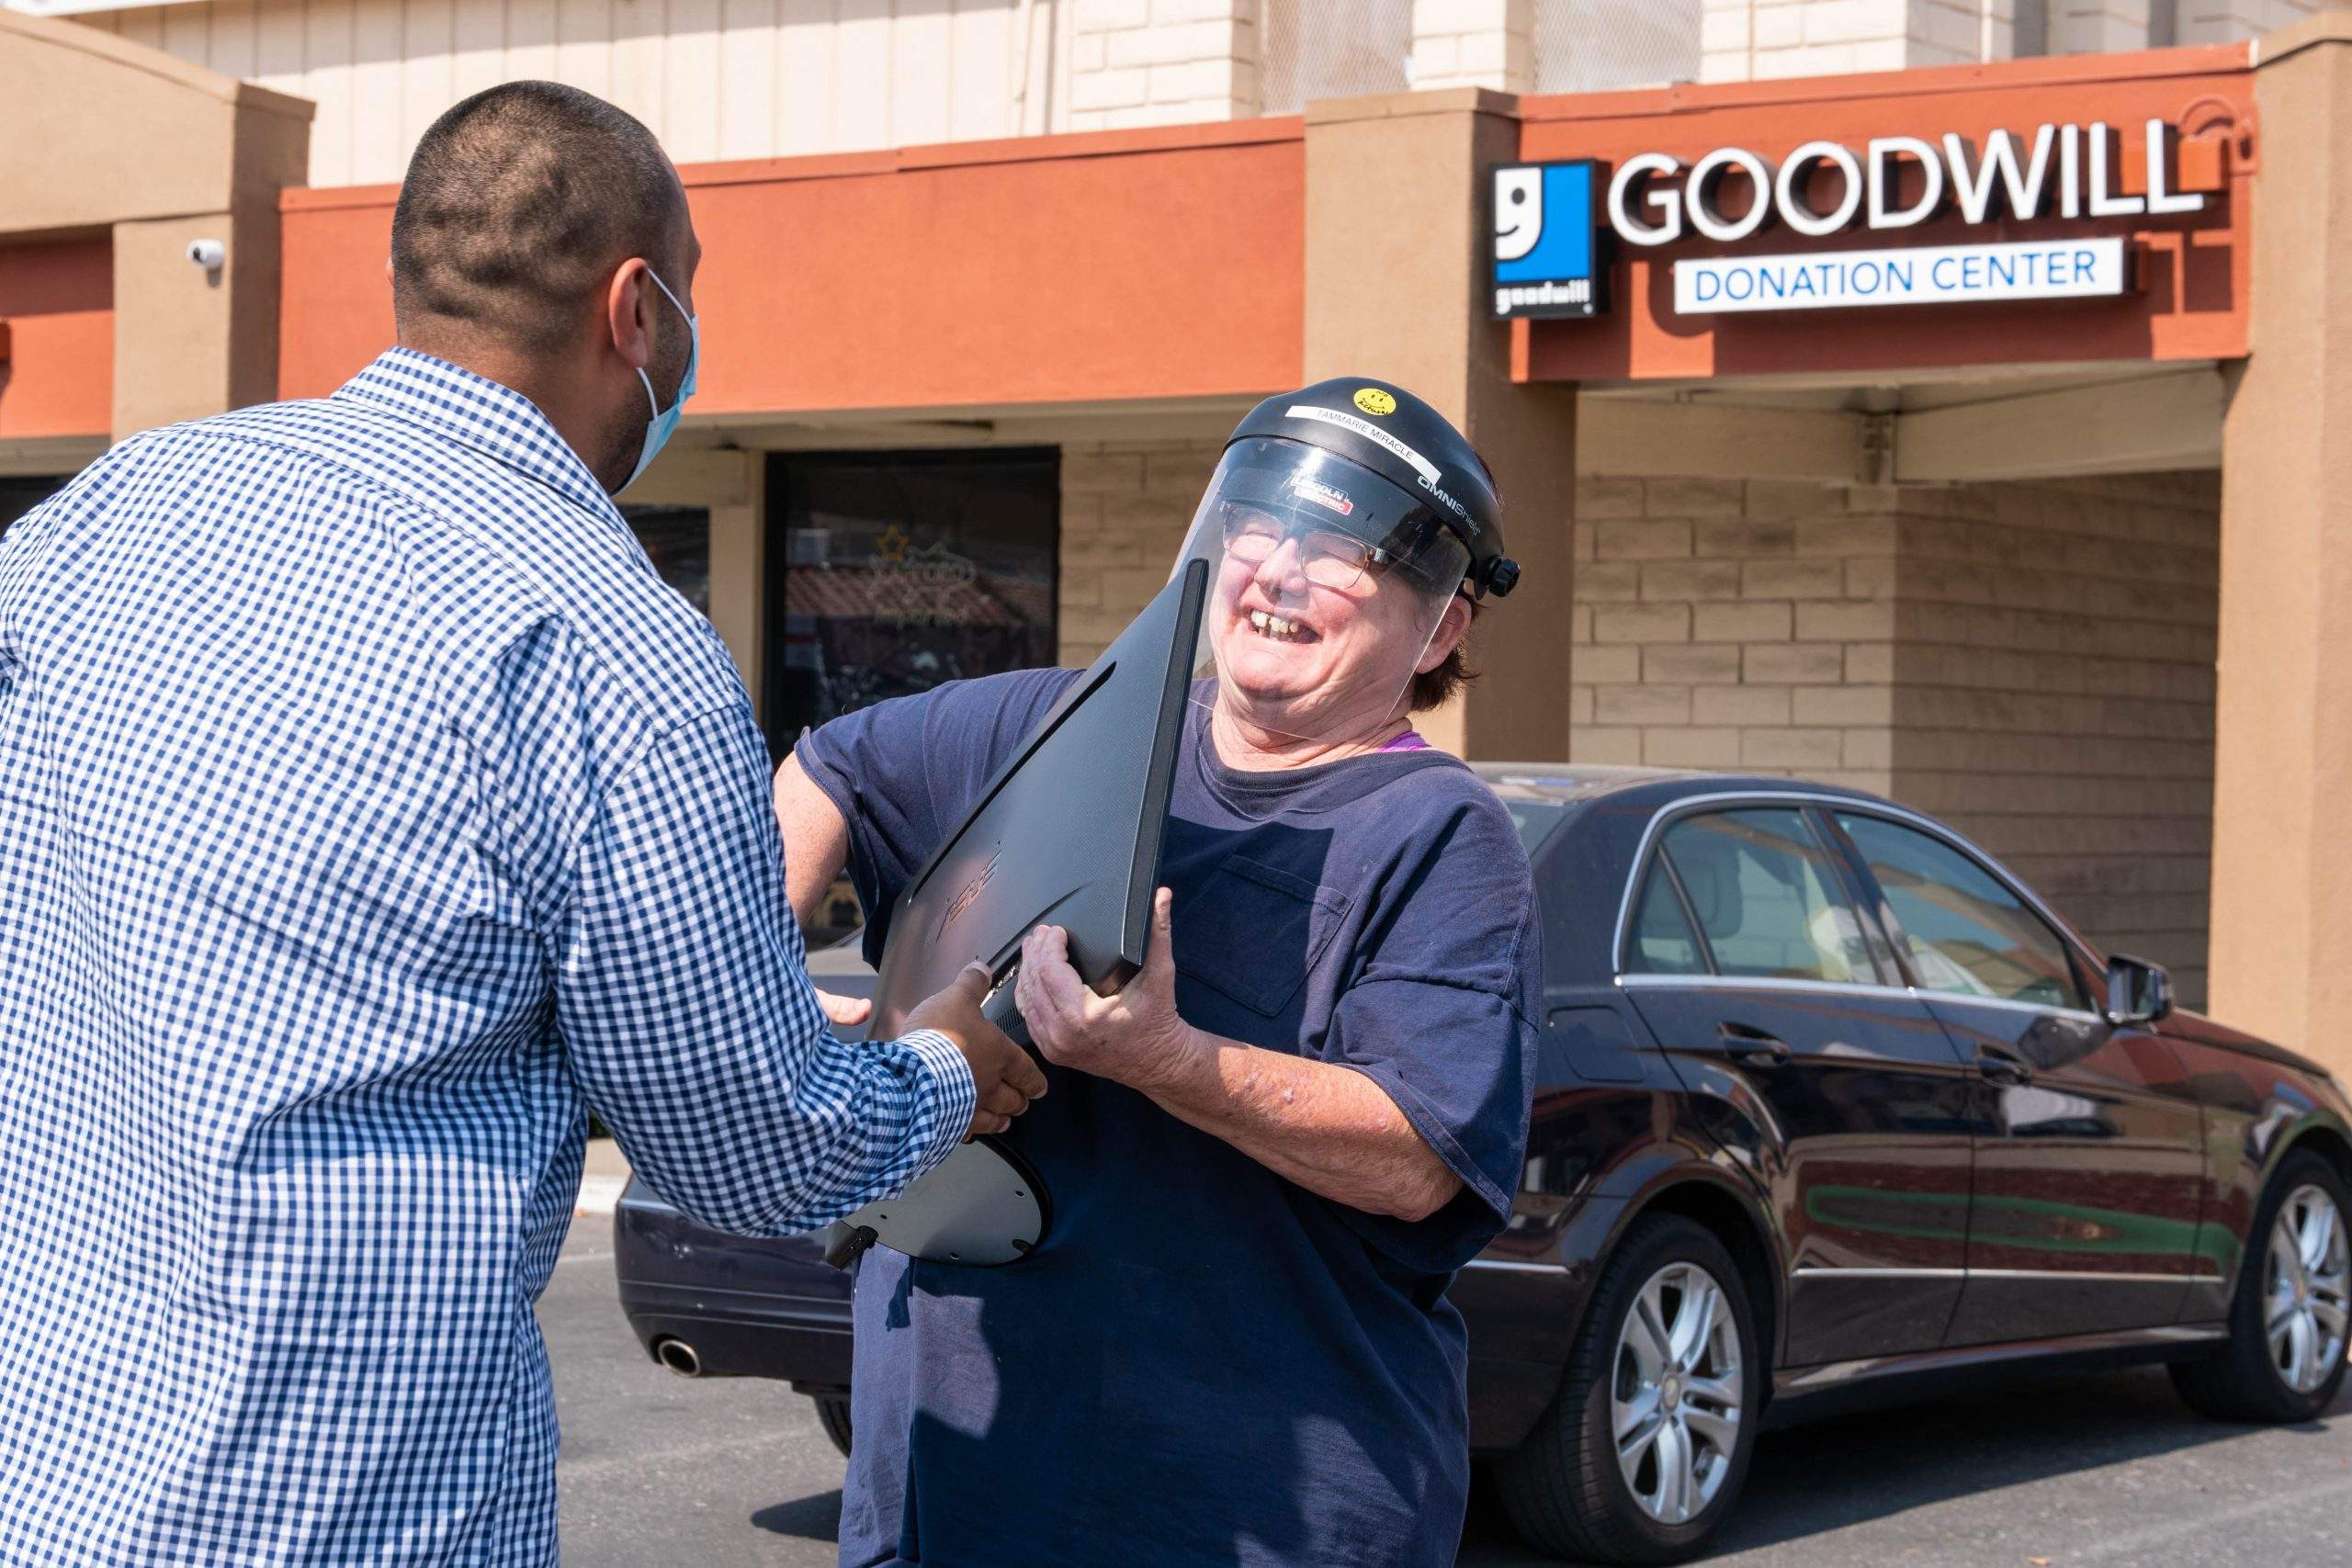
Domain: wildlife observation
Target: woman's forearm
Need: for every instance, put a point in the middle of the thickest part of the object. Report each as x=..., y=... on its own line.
x=816, y=839
x=1330, y=1129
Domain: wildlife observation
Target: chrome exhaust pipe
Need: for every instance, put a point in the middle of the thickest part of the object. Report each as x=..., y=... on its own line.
x=679, y=1357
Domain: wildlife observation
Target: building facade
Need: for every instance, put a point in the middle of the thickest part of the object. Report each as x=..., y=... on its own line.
x=2050, y=548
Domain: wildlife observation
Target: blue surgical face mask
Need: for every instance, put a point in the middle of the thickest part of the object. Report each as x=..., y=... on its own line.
x=658, y=429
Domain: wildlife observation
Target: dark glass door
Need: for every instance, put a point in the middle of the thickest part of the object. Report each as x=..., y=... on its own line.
x=19, y=496
x=676, y=539
x=893, y=572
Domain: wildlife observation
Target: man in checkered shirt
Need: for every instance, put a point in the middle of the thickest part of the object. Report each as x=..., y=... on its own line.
x=370, y=811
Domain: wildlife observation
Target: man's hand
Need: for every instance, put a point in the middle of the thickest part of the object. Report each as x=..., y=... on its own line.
x=1008, y=1080
x=1134, y=1038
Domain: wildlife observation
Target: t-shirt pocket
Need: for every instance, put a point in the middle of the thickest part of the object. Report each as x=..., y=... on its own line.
x=1255, y=931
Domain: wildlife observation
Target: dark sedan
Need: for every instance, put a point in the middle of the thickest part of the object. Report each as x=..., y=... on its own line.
x=1832, y=1108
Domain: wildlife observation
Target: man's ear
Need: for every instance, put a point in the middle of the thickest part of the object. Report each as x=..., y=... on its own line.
x=628, y=315
x=1451, y=627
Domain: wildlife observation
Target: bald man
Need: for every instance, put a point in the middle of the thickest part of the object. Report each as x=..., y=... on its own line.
x=369, y=812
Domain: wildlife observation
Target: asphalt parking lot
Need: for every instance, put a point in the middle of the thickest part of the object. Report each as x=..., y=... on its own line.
x=658, y=1468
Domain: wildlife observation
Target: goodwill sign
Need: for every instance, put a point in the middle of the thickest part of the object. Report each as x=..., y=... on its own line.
x=1927, y=276
x=1546, y=234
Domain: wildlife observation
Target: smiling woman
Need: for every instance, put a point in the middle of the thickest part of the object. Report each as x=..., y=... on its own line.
x=1277, y=1143
x=1339, y=559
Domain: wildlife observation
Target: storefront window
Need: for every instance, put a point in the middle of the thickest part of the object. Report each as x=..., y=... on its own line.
x=894, y=572
x=19, y=496
x=678, y=540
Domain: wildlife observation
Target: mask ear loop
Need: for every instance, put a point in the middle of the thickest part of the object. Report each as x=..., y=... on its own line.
x=652, y=401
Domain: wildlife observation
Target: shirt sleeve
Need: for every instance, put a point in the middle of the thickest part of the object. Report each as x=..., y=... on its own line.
x=682, y=998
x=1439, y=1017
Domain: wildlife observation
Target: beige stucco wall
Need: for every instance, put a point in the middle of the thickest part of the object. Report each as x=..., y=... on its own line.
x=165, y=154
x=2031, y=662
x=2283, y=858
x=116, y=105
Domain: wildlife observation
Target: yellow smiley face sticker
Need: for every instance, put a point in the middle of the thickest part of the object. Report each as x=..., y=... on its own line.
x=1371, y=400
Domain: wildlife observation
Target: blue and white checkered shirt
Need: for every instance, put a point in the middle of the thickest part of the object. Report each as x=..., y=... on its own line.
x=369, y=809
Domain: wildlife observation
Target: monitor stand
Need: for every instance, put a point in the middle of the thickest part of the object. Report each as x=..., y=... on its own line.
x=982, y=1205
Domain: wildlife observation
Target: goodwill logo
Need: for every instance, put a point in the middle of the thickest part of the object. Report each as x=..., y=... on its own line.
x=1544, y=241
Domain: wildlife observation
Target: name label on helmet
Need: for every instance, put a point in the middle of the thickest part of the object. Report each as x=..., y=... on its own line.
x=1372, y=433
x=1428, y=473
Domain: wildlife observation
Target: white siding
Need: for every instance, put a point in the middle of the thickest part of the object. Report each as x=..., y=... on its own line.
x=714, y=78
x=770, y=78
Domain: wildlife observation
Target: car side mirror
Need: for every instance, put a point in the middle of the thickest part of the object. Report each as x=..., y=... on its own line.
x=2137, y=991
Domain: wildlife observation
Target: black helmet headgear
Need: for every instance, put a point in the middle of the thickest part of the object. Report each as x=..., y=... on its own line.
x=1386, y=429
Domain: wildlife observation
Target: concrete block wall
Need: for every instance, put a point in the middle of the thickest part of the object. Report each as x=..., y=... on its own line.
x=1753, y=39
x=1124, y=508
x=1729, y=624
x=2224, y=21
x=1162, y=62
x=2097, y=27
x=2032, y=662
x=2054, y=660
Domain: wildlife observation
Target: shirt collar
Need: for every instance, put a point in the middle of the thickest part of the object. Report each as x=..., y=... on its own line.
x=475, y=411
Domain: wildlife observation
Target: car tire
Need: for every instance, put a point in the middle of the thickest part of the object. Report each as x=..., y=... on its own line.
x=1565, y=1487
x=2254, y=1377
x=833, y=1414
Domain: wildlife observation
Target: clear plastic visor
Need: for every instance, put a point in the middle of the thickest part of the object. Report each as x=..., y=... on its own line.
x=1327, y=588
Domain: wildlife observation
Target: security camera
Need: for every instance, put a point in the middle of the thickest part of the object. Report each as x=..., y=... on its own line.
x=208, y=254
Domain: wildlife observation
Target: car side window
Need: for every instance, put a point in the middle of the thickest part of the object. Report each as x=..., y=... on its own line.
x=1663, y=942
x=1767, y=897
x=1962, y=931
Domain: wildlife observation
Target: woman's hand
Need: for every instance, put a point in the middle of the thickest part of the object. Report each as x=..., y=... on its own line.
x=847, y=1011
x=1134, y=1038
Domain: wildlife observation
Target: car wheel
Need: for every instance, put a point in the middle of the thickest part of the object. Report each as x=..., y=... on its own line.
x=833, y=1414
x=2284, y=1360
x=1641, y=1456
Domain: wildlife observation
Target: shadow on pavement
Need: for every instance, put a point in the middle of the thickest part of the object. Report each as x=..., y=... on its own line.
x=1811, y=1479
x=809, y=1518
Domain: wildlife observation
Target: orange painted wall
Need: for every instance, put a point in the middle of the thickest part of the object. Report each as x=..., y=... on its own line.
x=57, y=302
x=2194, y=267
x=1127, y=264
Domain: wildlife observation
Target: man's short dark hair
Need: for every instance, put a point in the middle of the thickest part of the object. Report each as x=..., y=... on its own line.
x=519, y=203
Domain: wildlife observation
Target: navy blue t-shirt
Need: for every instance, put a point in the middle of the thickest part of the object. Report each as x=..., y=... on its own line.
x=1206, y=1363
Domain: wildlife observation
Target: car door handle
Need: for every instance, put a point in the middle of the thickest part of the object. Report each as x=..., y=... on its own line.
x=2000, y=1066
x=1752, y=1046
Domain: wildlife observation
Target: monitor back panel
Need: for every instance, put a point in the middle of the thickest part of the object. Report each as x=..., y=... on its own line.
x=1067, y=833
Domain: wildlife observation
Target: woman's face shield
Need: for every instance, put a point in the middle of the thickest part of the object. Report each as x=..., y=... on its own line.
x=1327, y=586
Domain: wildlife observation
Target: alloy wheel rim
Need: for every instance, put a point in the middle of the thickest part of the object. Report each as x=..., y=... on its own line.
x=2307, y=1296
x=1675, y=1393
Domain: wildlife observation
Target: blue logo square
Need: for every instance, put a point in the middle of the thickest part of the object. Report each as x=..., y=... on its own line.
x=1543, y=240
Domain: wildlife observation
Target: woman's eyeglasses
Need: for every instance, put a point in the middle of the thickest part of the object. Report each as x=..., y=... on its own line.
x=1327, y=558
